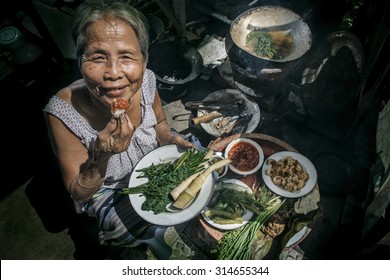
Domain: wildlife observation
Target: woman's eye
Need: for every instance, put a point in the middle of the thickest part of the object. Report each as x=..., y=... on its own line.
x=126, y=59
x=95, y=59
x=99, y=59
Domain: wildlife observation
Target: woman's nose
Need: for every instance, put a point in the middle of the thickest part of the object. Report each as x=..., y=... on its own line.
x=114, y=69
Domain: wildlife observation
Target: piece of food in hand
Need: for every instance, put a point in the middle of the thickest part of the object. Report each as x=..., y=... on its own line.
x=119, y=106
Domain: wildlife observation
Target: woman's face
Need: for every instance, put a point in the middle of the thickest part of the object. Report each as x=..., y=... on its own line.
x=112, y=64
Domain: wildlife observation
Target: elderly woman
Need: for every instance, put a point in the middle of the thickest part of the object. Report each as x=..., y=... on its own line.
x=96, y=151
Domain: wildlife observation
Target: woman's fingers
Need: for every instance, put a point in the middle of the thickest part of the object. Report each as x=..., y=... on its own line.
x=181, y=142
x=126, y=127
x=123, y=134
x=116, y=136
x=110, y=127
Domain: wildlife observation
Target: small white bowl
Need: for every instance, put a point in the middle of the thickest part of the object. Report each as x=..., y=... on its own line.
x=223, y=170
x=251, y=145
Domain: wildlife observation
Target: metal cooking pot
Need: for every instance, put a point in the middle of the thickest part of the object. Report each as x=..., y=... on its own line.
x=272, y=19
x=262, y=74
x=175, y=64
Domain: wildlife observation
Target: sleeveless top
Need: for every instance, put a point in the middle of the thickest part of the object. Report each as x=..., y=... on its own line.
x=119, y=223
x=143, y=141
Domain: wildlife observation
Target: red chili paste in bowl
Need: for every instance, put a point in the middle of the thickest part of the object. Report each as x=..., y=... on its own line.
x=244, y=156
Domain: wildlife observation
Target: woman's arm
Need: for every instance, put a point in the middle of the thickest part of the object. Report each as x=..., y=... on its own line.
x=83, y=173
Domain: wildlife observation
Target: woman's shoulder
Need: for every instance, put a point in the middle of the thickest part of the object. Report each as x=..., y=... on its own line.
x=149, y=84
x=70, y=92
x=150, y=77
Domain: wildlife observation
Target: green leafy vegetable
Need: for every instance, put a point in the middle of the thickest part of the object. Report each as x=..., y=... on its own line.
x=262, y=44
x=164, y=177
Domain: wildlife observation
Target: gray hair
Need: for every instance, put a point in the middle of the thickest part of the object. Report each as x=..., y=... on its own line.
x=91, y=11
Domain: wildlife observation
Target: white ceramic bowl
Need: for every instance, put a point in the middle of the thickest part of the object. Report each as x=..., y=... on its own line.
x=223, y=170
x=249, y=146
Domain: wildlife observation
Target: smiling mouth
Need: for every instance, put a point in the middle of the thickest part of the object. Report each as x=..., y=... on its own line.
x=113, y=88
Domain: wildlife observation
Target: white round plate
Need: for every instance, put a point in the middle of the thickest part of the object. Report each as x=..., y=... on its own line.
x=306, y=164
x=250, y=107
x=165, y=154
x=247, y=216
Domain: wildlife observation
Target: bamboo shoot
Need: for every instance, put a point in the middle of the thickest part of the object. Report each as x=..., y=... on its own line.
x=190, y=192
x=180, y=188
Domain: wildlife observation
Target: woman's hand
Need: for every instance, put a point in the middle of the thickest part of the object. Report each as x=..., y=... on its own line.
x=181, y=142
x=165, y=136
x=115, y=137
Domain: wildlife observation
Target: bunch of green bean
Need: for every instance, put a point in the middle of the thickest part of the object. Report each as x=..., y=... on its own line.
x=231, y=204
